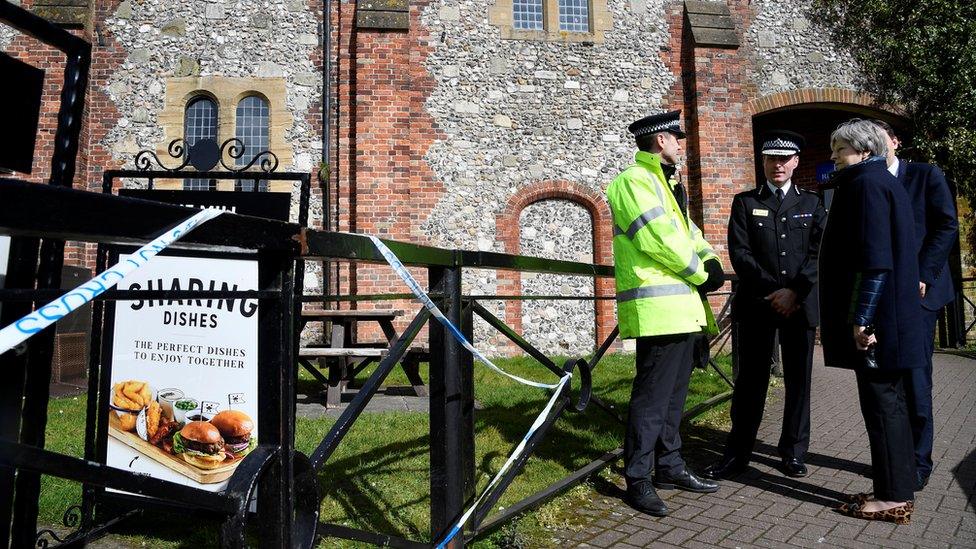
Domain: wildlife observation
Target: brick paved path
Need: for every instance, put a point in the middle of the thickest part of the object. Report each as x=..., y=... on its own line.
x=764, y=508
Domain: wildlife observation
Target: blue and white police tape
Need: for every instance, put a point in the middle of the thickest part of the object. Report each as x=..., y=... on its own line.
x=456, y=529
x=21, y=330
x=411, y=283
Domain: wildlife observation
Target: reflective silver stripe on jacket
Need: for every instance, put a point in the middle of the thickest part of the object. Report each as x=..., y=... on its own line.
x=692, y=267
x=644, y=219
x=653, y=291
x=617, y=231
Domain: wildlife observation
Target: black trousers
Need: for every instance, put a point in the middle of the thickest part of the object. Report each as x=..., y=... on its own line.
x=657, y=401
x=882, y=396
x=918, y=391
x=755, y=338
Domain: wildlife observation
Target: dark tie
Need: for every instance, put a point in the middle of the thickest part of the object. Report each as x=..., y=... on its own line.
x=681, y=198
x=779, y=195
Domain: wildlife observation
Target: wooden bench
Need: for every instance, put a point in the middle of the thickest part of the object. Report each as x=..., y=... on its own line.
x=326, y=352
x=348, y=358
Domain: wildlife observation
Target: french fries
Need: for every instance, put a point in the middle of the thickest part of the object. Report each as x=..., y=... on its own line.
x=127, y=421
x=134, y=396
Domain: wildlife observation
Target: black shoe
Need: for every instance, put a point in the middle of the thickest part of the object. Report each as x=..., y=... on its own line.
x=794, y=467
x=921, y=480
x=687, y=481
x=727, y=467
x=641, y=496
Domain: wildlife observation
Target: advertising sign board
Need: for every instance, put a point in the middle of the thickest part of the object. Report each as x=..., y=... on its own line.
x=185, y=373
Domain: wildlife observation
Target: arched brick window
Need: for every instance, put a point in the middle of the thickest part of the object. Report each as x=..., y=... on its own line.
x=545, y=197
x=557, y=229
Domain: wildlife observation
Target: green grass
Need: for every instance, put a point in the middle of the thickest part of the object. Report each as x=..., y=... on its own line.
x=378, y=479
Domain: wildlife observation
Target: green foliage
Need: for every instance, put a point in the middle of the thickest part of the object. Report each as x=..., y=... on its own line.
x=919, y=55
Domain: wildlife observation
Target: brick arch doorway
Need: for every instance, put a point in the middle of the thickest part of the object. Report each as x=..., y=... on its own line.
x=815, y=120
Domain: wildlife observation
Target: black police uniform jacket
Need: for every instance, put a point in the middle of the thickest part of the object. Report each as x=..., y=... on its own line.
x=870, y=228
x=936, y=228
x=775, y=245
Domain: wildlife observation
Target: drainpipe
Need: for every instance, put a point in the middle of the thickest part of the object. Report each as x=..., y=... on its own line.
x=326, y=132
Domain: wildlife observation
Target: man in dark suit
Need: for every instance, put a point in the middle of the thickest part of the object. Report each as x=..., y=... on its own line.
x=937, y=231
x=774, y=241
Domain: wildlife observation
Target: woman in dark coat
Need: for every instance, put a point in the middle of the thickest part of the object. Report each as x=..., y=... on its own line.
x=869, y=309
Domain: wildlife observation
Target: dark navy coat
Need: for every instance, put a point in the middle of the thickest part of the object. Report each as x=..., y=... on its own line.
x=870, y=227
x=936, y=228
x=774, y=246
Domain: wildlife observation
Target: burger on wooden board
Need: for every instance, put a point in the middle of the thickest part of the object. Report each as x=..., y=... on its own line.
x=199, y=443
x=235, y=427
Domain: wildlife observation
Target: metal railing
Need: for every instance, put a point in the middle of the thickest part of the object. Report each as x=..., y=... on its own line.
x=451, y=378
x=288, y=498
x=286, y=477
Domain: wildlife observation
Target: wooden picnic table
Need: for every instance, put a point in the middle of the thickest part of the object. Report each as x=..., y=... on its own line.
x=350, y=357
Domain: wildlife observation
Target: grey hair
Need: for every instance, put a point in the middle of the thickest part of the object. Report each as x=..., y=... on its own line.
x=862, y=135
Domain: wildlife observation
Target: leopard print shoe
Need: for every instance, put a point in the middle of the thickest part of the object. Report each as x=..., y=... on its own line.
x=859, y=498
x=898, y=515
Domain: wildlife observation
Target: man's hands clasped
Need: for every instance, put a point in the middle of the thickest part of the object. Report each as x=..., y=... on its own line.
x=783, y=301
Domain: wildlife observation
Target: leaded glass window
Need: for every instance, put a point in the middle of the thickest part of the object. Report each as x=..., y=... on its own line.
x=574, y=15
x=527, y=14
x=253, y=117
x=200, y=122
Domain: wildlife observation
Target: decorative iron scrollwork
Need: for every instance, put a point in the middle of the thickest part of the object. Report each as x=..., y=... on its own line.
x=235, y=149
x=204, y=156
x=177, y=149
x=42, y=542
x=72, y=518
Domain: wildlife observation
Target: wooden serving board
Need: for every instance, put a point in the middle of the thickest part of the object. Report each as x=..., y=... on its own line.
x=174, y=462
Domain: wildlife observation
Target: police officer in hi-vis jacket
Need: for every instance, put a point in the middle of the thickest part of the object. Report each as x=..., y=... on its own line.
x=664, y=267
x=774, y=244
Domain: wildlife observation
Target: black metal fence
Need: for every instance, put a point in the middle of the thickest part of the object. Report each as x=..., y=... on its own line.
x=288, y=502
x=451, y=380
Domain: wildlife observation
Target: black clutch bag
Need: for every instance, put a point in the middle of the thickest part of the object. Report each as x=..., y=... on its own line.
x=869, y=359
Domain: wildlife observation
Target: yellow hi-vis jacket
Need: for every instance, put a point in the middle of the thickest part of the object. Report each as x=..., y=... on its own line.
x=659, y=256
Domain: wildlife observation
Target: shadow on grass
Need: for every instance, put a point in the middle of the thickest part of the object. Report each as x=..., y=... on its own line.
x=383, y=486
x=365, y=506
x=349, y=481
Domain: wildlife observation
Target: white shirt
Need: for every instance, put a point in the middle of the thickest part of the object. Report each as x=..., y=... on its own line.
x=893, y=168
x=786, y=187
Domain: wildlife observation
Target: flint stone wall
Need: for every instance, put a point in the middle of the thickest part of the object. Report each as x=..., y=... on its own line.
x=558, y=229
x=234, y=39
x=517, y=112
x=793, y=52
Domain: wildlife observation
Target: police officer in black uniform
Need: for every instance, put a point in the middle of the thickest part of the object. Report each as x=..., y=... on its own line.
x=774, y=240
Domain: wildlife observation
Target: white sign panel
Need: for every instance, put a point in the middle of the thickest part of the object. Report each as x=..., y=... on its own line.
x=185, y=374
x=4, y=252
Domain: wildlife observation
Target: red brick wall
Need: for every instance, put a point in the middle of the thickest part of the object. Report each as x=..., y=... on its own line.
x=52, y=61
x=720, y=147
x=385, y=188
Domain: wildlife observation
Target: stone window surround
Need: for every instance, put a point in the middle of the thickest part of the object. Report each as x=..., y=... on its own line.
x=500, y=15
x=227, y=92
